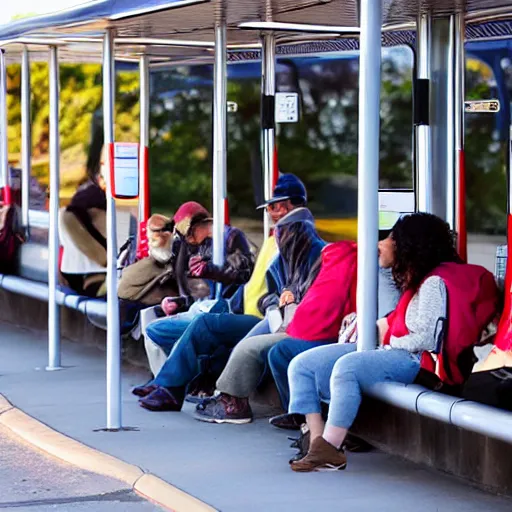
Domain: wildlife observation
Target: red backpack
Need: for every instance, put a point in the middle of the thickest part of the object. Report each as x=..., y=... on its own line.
x=472, y=305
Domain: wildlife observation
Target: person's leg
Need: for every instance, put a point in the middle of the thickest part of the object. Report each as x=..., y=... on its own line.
x=165, y=332
x=202, y=337
x=238, y=380
x=262, y=327
x=205, y=334
x=351, y=376
x=279, y=359
x=246, y=365
x=358, y=372
x=309, y=375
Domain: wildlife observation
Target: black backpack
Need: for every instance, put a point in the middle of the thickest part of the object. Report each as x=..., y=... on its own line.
x=492, y=387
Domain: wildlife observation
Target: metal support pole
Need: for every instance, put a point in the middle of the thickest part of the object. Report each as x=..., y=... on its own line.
x=458, y=124
x=424, y=181
x=268, y=86
x=450, y=147
x=144, y=208
x=26, y=139
x=219, y=139
x=368, y=172
x=54, y=356
x=4, y=150
x=114, y=420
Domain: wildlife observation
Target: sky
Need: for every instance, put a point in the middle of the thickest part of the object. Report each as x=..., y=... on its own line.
x=12, y=8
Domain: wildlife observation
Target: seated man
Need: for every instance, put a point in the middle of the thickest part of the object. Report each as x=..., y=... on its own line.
x=188, y=258
x=316, y=322
x=289, y=194
x=299, y=246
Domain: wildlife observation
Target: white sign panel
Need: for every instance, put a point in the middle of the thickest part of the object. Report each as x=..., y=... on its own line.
x=287, y=107
x=394, y=204
x=126, y=170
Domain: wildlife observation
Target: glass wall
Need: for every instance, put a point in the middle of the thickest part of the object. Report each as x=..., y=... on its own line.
x=321, y=148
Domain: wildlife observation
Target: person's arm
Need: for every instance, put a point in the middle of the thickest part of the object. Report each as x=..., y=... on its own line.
x=426, y=322
x=239, y=262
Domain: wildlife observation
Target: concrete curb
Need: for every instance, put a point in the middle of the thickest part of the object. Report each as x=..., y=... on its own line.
x=73, y=452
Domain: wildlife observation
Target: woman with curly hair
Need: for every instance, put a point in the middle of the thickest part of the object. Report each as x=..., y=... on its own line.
x=427, y=269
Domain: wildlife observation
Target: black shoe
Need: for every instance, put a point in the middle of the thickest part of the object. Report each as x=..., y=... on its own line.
x=288, y=421
x=356, y=444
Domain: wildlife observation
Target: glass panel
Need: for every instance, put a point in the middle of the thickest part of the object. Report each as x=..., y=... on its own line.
x=486, y=163
x=321, y=148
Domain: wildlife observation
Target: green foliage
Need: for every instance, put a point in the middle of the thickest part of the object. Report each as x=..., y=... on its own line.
x=322, y=148
x=80, y=97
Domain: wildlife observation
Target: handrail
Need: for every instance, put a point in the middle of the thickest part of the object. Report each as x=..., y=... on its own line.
x=39, y=291
x=465, y=414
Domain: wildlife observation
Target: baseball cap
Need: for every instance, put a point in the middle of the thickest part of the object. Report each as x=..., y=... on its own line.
x=288, y=187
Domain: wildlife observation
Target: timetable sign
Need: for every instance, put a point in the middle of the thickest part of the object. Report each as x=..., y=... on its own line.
x=126, y=170
x=287, y=107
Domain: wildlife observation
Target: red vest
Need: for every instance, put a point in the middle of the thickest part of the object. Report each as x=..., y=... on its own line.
x=472, y=303
x=330, y=298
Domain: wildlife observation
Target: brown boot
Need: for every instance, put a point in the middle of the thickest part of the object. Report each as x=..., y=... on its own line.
x=321, y=456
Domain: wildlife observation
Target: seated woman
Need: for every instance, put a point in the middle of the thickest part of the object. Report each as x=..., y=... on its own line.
x=425, y=265
x=83, y=237
x=217, y=333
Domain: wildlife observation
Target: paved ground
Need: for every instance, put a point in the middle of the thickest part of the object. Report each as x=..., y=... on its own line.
x=233, y=468
x=32, y=481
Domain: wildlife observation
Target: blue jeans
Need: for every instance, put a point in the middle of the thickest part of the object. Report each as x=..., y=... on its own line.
x=279, y=359
x=262, y=327
x=210, y=335
x=167, y=331
x=339, y=375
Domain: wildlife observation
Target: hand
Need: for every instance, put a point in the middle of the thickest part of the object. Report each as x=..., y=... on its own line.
x=169, y=306
x=286, y=298
x=197, y=266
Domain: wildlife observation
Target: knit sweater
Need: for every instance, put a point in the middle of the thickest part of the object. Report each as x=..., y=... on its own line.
x=424, y=318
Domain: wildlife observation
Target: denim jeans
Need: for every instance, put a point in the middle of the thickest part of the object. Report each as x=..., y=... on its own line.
x=339, y=375
x=167, y=331
x=212, y=335
x=279, y=359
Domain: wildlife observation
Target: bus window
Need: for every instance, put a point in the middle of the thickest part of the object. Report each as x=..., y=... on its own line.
x=485, y=169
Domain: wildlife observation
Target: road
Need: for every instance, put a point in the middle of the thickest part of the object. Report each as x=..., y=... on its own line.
x=32, y=481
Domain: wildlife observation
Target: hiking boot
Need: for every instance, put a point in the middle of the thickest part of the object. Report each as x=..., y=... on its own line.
x=224, y=409
x=322, y=456
x=161, y=399
x=288, y=421
x=144, y=390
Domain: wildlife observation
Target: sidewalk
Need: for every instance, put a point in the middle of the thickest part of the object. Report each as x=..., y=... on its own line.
x=233, y=468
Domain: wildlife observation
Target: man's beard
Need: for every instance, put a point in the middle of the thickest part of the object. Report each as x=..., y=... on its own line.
x=160, y=254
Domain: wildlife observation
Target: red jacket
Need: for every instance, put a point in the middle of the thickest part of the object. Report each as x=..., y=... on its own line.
x=472, y=303
x=330, y=298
